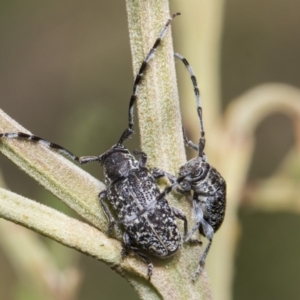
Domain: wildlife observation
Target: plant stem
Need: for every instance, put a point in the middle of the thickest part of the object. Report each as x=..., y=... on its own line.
x=161, y=137
x=158, y=104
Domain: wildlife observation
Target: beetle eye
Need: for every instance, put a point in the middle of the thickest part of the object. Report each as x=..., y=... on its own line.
x=184, y=187
x=197, y=173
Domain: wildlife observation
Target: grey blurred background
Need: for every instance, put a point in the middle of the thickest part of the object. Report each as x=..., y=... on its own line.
x=65, y=75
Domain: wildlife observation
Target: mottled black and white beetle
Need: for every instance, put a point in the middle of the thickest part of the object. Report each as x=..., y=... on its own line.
x=207, y=185
x=132, y=191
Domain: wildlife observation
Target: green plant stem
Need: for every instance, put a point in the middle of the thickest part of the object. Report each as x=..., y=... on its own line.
x=161, y=133
x=158, y=104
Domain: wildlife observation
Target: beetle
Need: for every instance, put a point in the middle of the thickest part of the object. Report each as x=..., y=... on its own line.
x=206, y=184
x=149, y=225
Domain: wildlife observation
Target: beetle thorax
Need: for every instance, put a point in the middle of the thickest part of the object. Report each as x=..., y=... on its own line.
x=118, y=165
x=194, y=169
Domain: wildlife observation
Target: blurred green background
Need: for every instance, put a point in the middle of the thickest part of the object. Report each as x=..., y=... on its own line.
x=65, y=74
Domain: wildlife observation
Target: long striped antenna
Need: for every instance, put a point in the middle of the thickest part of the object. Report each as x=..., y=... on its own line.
x=58, y=148
x=201, y=144
x=137, y=81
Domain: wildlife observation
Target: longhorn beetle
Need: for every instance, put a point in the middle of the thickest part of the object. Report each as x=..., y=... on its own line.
x=149, y=225
x=203, y=180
